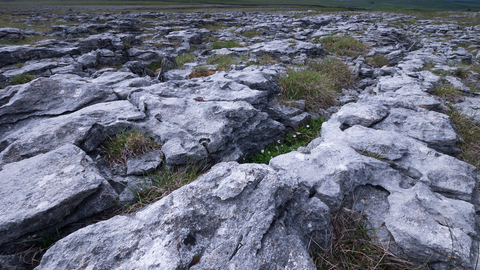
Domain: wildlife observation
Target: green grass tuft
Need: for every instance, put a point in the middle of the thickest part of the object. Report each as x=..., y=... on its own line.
x=224, y=44
x=378, y=61
x=185, y=58
x=343, y=45
x=21, y=79
x=292, y=141
x=126, y=144
x=223, y=61
x=448, y=92
x=251, y=33
x=317, y=85
x=469, y=131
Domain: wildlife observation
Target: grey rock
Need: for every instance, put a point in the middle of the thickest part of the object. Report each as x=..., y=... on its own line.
x=51, y=96
x=434, y=128
x=89, y=60
x=470, y=107
x=228, y=232
x=43, y=190
x=86, y=128
x=144, y=164
x=360, y=114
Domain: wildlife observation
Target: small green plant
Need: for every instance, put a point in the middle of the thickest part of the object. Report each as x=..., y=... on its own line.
x=251, y=33
x=376, y=155
x=127, y=45
x=343, y=45
x=300, y=137
x=223, y=61
x=19, y=65
x=21, y=79
x=224, y=44
x=185, y=58
x=448, y=92
x=126, y=144
x=469, y=131
x=378, y=60
x=317, y=85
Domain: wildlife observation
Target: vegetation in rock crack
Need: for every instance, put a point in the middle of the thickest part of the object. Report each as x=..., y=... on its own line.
x=448, y=92
x=127, y=143
x=163, y=182
x=265, y=60
x=343, y=45
x=469, y=131
x=28, y=40
x=210, y=26
x=318, y=83
x=224, y=44
x=223, y=61
x=21, y=79
x=378, y=60
x=251, y=33
x=351, y=247
x=292, y=141
x=201, y=71
x=154, y=66
x=185, y=58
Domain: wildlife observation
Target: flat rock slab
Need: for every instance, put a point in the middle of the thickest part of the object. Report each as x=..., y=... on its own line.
x=50, y=96
x=41, y=191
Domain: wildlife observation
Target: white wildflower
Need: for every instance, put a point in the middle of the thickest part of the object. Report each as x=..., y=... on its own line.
x=263, y=151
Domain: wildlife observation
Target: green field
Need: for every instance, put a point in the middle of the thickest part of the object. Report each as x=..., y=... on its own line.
x=388, y=5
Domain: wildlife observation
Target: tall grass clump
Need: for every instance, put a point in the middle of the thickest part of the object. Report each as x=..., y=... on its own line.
x=126, y=144
x=448, y=92
x=469, y=131
x=378, y=60
x=185, y=58
x=317, y=84
x=343, y=45
x=351, y=247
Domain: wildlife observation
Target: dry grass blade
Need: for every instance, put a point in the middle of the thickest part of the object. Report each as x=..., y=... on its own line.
x=352, y=247
x=448, y=92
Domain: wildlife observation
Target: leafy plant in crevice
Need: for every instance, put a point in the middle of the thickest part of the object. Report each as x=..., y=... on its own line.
x=317, y=84
x=126, y=144
x=154, y=66
x=292, y=141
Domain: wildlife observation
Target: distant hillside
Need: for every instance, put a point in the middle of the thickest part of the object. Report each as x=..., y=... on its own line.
x=473, y=5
